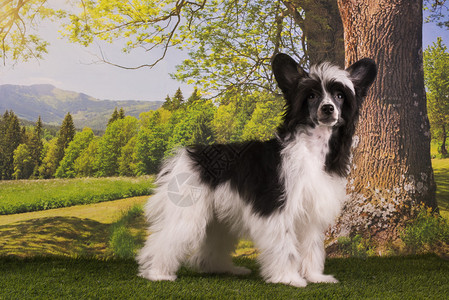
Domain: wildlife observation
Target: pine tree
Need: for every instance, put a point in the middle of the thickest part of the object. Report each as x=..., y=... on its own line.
x=194, y=97
x=121, y=113
x=168, y=104
x=66, y=135
x=114, y=116
x=2, y=143
x=38, y=128
x=36, y=146
x=12, y=138
x=178, y=99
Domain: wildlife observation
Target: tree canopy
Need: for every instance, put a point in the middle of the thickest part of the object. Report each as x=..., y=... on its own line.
x=19, y=21
x=229, y=43
x=437, y=12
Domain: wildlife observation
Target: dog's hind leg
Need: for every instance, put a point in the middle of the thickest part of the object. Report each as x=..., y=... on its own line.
x=175, y=232
x=214, y=255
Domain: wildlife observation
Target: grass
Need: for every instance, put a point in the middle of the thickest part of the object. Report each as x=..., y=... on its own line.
x=34, y=195
x=77, y=231
x=103, y=212
x=420, y=277
x=128, y=233
x=441, y=172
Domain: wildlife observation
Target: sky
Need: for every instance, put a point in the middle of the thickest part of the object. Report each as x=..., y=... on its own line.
x=72, y=67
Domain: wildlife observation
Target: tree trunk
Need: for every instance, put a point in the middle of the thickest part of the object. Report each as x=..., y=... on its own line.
x=443, y=145
x=391, y=172
x=322, y=28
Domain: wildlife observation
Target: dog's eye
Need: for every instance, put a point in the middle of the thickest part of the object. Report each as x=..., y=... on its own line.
x=340, y=96
x=312, y=96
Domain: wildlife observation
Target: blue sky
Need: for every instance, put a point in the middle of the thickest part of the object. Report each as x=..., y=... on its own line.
x=70, y=67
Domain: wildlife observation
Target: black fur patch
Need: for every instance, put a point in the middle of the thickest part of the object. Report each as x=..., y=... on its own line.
x=337, y=160
x=252, y=168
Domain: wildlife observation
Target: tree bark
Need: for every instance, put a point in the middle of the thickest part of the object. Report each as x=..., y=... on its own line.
x=322, y=28
x=391, y=172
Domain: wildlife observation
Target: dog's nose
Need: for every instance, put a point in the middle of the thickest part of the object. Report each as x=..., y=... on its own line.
x=328, y=109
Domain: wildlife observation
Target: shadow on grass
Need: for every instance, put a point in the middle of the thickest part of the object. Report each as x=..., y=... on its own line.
x=66, y=236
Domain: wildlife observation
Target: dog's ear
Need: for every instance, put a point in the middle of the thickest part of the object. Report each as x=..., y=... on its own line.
x=362, y=74
x=287, y=72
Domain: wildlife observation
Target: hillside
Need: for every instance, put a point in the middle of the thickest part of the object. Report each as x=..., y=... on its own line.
x=52, y=104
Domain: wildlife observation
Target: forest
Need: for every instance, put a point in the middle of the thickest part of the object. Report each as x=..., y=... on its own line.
x=131, y=146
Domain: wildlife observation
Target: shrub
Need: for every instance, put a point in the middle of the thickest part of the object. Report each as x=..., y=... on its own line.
x=356, y=246
x=427, y=231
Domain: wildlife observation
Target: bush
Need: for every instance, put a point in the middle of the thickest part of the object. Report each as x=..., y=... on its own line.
x=356, y=246
x=426, y=232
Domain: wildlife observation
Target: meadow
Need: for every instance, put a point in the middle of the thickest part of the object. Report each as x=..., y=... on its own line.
x=86, y=251
x=21, y=196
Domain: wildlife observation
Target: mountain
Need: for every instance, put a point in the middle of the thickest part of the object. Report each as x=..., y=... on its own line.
x=52, y=104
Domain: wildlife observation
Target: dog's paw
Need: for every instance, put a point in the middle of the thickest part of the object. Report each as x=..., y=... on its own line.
x=157, y=277
x=296, y=281
x=321, y=278
x=236, y=270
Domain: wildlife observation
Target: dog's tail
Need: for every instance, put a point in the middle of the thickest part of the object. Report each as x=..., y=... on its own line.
x=155, y=206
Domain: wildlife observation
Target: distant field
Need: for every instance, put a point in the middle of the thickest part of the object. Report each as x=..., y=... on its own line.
x=34, y=195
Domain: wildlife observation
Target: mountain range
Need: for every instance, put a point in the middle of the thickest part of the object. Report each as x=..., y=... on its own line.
x=52, y=104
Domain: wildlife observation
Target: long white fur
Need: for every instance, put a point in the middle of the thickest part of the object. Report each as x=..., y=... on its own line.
x=290, y=240
x=326, y=72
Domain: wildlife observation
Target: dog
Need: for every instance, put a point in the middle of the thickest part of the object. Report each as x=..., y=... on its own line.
x=282, y=193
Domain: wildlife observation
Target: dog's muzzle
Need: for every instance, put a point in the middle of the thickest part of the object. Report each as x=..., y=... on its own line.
x=327, y=115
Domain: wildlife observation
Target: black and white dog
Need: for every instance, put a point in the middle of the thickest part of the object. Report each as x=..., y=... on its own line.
x=282, y=194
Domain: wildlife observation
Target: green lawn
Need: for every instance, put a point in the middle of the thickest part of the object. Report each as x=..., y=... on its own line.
x=34, y=195
x=441, y=171
x=413, y=277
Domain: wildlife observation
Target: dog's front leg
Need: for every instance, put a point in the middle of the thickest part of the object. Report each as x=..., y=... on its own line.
x=279, y=257
x=313, y=256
